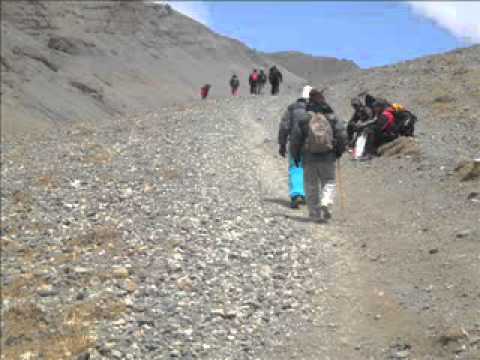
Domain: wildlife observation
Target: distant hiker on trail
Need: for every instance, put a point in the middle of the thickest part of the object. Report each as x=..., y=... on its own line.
x=294, y=114
x=253, y=81
x=361, y=113
x=204, y=91
x=275, y=78
x=322, y=139
x=262, y=80
x=234, y=84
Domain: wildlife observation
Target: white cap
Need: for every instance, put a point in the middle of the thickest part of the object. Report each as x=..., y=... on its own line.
x=306, y=91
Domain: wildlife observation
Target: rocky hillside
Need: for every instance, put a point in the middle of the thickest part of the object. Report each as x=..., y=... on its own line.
x=64, y=61
x=316, y=70
x=443, y=90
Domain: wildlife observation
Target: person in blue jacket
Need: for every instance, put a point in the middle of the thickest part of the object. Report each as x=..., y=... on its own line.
x=295, y=112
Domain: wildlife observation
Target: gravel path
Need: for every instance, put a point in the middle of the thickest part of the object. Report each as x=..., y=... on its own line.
x=169, y=236
x=160, y=236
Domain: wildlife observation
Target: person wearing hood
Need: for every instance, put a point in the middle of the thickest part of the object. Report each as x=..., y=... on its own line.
x=361, y=114
x=295, y=112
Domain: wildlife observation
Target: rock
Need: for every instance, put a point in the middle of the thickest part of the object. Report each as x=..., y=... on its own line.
x=473, y=196
x=403, y=354
x=120, y=272
x=117, y=354
x=185, y=283
x=81, y=270
x=81, y=296
x=84, y=356
x=433, y=251
x=265, y=271
x=452, y=335
x=130, y=286
x=46, y=290
x=463, y=234
x=468, y=170
x=403, y=146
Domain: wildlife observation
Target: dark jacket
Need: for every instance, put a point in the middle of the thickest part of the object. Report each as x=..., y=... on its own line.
x=299, y=133
x=364, y=113
x=275, y=76
x=234, y=82
x=295, y=113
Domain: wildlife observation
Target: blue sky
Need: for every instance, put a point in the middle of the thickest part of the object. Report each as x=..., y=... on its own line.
x=369, y=33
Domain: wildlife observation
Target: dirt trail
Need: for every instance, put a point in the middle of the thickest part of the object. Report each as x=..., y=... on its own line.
x=369, y=301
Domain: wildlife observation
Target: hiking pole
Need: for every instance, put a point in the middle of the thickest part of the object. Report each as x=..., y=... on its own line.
x=340, y=187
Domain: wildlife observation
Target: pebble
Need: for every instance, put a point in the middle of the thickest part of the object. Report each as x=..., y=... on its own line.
x=46, y=290
x=120, y=272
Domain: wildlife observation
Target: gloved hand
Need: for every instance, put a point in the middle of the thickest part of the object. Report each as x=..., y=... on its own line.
x=282, y=150
x=297, y=162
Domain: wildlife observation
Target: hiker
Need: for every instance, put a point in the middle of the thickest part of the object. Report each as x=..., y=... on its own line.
x=275, y=78
x=322, y=138
x=378, y=130
x=361, y=113
x=253, y=81
x=234, y=84
x=295, y=112
x=204, y=91
x=262, y=80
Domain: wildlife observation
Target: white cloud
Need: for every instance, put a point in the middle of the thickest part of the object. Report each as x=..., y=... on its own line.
x=461, y=18
x=197, y=10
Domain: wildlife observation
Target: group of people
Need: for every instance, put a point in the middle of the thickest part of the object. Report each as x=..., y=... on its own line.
x=256, y=80
x=376, y=121
x=316, y=139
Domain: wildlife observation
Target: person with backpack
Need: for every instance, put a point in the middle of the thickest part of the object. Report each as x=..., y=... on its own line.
x=234, y=84
x=204, y=91
x=294, y=114
x=253, y=81
x=322, y=139
x=379, y=130
x=275, y=77
x=262, y=80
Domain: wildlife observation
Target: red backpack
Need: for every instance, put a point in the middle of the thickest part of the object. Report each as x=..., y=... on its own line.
x=255, y=76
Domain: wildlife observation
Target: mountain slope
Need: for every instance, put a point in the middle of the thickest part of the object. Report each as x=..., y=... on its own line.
x=75, y=60
x=314, y=69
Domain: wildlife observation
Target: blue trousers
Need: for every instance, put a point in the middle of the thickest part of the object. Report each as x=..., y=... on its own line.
x=295, y=178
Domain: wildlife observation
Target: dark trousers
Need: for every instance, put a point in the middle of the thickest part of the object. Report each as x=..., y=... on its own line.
x=275, y=88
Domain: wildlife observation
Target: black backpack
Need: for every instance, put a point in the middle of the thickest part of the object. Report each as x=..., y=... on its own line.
x=405, y=123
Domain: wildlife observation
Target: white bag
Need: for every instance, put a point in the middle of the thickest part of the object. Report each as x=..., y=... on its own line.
x=359, y=148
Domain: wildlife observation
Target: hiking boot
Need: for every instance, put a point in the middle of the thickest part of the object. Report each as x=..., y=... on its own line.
x=326, y=214
x=316, y=219
x=295, y=202
x=367, y=157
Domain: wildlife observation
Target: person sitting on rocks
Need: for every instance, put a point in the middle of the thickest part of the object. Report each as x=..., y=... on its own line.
x=362, y=113
x=380, y=129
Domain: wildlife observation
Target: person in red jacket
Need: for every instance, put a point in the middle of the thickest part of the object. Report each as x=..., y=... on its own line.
x=204, y=91
x=379, y=130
